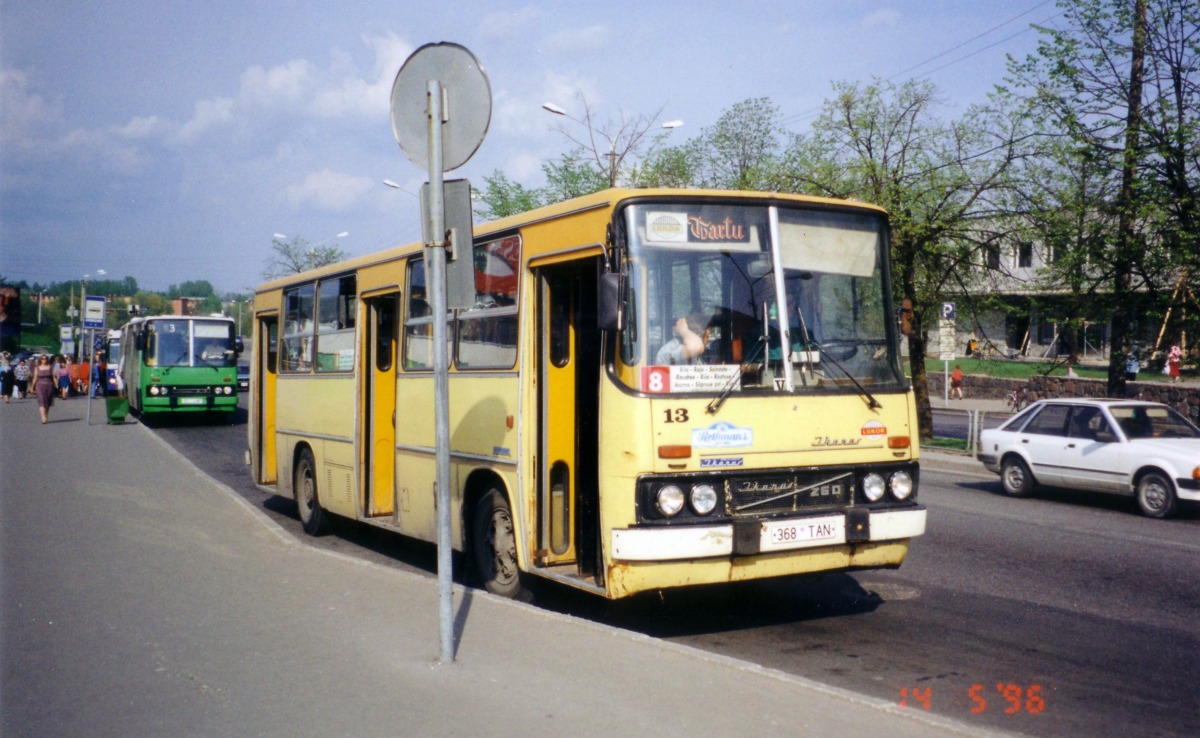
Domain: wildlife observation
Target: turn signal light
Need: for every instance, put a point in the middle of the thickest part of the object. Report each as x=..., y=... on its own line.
x=675, y=452
x=899, y=442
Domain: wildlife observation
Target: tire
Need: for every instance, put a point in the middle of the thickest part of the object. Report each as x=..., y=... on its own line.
x=1015, y=477
x=304, y=486
x=1156, y=495
x=494, y=546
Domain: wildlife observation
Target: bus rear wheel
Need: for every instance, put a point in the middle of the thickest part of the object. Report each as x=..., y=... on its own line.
x=313, y=517
x=494, y=546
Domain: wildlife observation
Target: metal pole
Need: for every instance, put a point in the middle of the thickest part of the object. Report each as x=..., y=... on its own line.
x=435, y=253
x=91, y=339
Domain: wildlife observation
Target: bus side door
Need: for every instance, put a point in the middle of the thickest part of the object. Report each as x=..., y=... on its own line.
x=568, y=373
x=379, y=394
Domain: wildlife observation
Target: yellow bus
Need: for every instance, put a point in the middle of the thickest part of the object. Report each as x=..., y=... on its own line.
x=653, y=389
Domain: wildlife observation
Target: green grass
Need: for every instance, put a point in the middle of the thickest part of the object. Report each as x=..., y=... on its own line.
x=1019, y=370
x=958, y=444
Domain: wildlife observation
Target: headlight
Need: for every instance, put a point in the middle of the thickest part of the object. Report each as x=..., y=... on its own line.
x=704, y=499
x=154, y=389
x=873, y=487
x=670, y=500
x=902, y=485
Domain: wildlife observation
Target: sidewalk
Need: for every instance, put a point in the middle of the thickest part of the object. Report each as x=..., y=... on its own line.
x=141, y=598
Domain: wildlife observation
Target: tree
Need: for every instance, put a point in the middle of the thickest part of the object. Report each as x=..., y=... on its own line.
x=501, y=197
x=741, y=151
x=1119, y=81
x=941, y=183
x=295, y=256
x=625, y=138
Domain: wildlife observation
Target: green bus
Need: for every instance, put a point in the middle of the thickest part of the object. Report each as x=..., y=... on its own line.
x=181, y=364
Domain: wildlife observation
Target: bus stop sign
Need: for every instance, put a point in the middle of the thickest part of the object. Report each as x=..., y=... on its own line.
x=93, y=311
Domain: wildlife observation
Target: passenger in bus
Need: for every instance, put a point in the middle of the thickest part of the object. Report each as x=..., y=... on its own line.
x=687, y=345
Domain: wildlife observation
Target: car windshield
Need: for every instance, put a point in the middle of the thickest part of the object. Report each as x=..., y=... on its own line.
x=723, y=298
x=191, y=343
x=1152, y=421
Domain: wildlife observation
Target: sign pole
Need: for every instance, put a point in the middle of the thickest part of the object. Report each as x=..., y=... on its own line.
x=435, y=257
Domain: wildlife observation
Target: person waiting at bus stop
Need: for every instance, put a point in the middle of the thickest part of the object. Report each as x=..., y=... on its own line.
x=99, y=375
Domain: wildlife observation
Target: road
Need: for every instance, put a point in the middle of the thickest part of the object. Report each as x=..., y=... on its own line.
x=1060, y=615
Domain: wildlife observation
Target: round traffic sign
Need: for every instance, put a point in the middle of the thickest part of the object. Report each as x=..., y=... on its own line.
x=467, y=108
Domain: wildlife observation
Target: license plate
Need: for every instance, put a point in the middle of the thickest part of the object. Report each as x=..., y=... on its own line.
x=191, y=400
x=780, y=535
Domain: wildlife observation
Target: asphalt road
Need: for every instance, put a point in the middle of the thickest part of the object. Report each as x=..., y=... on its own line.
x=1061, y=615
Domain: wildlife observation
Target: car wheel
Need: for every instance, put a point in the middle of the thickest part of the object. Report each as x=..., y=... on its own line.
x=313, y=517
x=494, y=546
x=1015, y=477
x=1156, y=496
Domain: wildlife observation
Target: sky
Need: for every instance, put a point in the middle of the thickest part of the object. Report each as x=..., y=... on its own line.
x=170, y=141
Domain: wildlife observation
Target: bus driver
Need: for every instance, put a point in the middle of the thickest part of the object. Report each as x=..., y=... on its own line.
x=687, y=345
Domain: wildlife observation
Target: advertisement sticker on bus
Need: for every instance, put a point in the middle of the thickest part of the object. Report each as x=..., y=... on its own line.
x=722, y=435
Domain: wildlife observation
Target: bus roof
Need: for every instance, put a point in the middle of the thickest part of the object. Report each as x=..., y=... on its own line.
x=602, y=199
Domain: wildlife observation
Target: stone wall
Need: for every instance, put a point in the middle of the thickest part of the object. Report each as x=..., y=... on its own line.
x=1183, y=397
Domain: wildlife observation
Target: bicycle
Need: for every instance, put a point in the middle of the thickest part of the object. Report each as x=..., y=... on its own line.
x=1018, y=398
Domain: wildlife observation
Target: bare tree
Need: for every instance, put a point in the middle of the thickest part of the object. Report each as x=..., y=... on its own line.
x=297, y=255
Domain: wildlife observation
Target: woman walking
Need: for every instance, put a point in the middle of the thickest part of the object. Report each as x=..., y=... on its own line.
x=21, y=378
x=43, y=386
x=63, y=371
x=7, y=380
x=1174, y=360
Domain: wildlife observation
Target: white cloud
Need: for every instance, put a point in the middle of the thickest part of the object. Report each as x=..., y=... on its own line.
x=328, y=190
x=23, y=112
x=593, y=38
x=881, y=17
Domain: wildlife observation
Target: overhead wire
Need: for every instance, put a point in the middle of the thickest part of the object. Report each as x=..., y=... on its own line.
x=813, y=111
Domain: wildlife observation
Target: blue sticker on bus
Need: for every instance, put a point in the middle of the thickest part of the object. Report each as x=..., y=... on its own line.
x=720, y=463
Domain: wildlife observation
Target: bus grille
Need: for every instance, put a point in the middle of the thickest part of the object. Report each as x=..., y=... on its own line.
x=771, y=495
x=186, y=390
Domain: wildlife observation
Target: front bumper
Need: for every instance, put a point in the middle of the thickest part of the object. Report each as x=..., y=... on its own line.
x=674, y=543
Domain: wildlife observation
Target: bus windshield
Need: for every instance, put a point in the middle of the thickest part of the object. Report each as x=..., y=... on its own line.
x=722, y=298
x=182, y=342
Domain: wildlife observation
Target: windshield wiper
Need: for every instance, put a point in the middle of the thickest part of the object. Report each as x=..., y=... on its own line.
x=872, y=403
x=715, y=404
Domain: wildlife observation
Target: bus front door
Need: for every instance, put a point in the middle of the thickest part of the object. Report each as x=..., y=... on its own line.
x=264, y=397
x=568, y=360
x=379, y=394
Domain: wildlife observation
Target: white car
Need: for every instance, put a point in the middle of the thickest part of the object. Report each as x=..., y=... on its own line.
x=1121, y=446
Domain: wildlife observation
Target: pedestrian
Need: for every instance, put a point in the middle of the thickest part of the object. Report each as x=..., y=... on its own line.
x=20, y=379
x=956, y=382
x=1132, y=364
x=7, y=380
x=63, y=371
x=43, y=386
x=1071, y=373
x=99, y=375
x=1174, y=359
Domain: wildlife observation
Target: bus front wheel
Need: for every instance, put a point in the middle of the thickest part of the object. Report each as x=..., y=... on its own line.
x=494, y=546
x=304, y=485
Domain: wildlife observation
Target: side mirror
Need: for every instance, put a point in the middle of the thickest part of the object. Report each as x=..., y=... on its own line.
x=239, y=345
x=139, y=342
x=1104, y=436
x=609, y=309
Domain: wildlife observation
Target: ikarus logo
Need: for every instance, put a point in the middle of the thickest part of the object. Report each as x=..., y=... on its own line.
x=722, y=435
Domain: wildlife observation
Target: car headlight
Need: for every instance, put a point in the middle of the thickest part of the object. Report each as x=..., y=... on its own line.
x=902, y=485
x=154, y=390
x=670, y=500
x=873, y=487
x=704, y=499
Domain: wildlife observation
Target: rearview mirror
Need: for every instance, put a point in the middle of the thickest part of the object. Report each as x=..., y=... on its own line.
x=609, y=309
